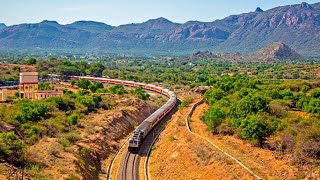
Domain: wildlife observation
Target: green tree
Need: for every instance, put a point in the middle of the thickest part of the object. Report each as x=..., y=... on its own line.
x=11, y=147
x=73, y=82
x=118, y=89
x=73, y=119
x=45, y=86
x=30, y=111
x=250, y=104
x=31, y=61
x=141, y=93
x=95, y=86
x=315, y=93
x=253, y=129
x=214, y=95
x=83, y=83
x=213, y=118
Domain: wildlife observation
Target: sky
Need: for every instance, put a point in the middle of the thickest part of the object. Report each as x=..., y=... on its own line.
x=117, y=12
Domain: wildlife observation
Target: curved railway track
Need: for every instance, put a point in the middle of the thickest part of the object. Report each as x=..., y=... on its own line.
x=130, y=167
x=146, y=130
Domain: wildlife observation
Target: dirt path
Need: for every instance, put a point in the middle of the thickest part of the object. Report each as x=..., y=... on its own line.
x=180, y=155
x=263, y=162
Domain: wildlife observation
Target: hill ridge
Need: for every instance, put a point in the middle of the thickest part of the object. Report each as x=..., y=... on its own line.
x=297, y=25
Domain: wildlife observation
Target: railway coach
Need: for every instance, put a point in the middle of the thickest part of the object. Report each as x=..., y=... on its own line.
x=146, y=126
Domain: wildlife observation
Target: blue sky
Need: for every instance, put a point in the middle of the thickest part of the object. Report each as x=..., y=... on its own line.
x=116, y=12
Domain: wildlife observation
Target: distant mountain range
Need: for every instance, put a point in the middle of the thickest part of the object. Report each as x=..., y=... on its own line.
x=2, y=25
x=295, y=25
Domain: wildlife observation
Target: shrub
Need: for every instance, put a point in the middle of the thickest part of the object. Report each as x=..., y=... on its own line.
x=73, y=119
x=11, y=148
x=141, y=93
x=315, y=93
x=186, y=102
x=30, y=111
x=250, y=104
x=83, y=92
x=63, y=103
x=95, y=86
x=253, y=129
x=313, y=106
x=213, y=118
x=214, y=95
x=83, y=83
x=118, y=89
x=45, y=86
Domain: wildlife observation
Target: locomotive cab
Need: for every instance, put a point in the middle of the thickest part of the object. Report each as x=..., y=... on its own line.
x=135, y=141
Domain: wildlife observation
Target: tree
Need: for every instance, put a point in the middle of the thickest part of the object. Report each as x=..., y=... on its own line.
x=45, y=86
x=30, y=111
x=141, y=93
x=67, y=70
x=315, y=93
x=31, y=61
x=213, y=118
x=83, y=83
x=118, y=89
x=253, y=129
x=11, y=147
x=250, y=104
x=214, y=95
x=73, y=82
x=95, y=86
x=96, y=69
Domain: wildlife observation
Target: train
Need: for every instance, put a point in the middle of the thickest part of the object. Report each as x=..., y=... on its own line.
x=147, y=125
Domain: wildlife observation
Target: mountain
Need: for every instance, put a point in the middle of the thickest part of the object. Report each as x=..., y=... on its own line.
x=203, y=55
x=91, y=26
x=276, y=51
x=2, y=26
x=297, y=25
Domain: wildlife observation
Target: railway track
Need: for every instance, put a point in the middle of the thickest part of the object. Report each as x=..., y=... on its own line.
x=130, y=163
x=130, y=167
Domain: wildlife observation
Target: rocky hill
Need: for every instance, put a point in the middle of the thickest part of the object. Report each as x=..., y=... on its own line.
x=297, y=25
x=2, y=25
x=274, y=52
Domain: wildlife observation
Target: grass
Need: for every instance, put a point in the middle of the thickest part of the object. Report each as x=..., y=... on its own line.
x=3, y=169
x=172, y=138
x=72, y=177
x=186, y=102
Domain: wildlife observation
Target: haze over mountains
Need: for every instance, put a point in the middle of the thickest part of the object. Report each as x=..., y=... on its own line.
x=295, y=25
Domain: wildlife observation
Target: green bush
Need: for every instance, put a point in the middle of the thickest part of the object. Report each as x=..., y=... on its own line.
x=83, y=83
x=213, y=118
x=11, y=147
x=313, y=106
x=315, y=93
x=73, y=119
x=45, y=86
x=214, y=95
x=30, y=111
x=250, y=104
x=95, y=86
x=83, y=92
x=253, y=129
x=186, y=102
x=118, y=89
x=63, y=103
x=141, y=93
